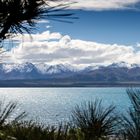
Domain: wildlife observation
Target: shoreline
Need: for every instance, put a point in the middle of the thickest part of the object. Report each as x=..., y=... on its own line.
x=53, y=84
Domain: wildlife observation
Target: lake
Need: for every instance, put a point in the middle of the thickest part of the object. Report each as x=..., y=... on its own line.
x=52, y=105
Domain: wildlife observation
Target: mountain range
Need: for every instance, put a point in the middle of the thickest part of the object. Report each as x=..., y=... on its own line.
x=28, y=74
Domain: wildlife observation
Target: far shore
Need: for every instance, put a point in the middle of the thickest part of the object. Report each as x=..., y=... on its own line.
x=57, y=84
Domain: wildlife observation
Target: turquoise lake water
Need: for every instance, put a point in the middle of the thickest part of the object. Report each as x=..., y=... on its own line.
x=52, y=105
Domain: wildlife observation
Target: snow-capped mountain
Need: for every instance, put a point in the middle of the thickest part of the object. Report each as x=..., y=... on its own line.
x=123, y=65
x=41, y=68
x=116, y=72
x=55, y=69
x=92, y=68
x=18, y=71
x=24, y=67
x=31, y=71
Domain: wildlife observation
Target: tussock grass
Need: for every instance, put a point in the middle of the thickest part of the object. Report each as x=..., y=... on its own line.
x=130, y=125
x=95, y=121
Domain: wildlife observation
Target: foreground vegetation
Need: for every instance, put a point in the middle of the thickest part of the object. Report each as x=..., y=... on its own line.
x=89, y=121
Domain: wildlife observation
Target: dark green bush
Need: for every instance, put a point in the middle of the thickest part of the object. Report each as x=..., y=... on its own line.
x=33, y=131
x=131, y=121
x=95, y=121
x=9, y=116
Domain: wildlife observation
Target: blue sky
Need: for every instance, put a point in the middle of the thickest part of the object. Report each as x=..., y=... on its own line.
x=111, y=26
x=107, y=31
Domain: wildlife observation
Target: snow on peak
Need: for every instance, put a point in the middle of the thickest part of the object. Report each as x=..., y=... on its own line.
x=24, y=67
x=43, y=68
x=135, y=65
x=120, y=65
x=91, y=68
x=54, y=69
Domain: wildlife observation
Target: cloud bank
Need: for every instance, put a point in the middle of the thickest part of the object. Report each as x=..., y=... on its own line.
x=54, y=48
x=103, y=4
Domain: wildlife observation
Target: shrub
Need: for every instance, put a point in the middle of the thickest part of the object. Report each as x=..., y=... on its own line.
x=34, y=131
x=131, y=122
x=9, y=116
x=95, y=121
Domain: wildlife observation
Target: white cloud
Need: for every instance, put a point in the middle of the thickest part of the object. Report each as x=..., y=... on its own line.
x=103, y=4
x=48, y=26
x=37, y=37
x=138, y=45
x=67, y=50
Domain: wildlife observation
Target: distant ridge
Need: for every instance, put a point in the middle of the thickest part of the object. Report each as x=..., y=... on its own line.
x=116, y=74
